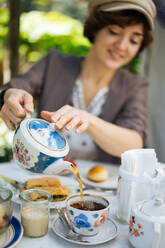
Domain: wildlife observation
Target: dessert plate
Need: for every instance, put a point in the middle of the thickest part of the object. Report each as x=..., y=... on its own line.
x=84, y=166
x=109, y=230
x=71, y=183
x=13, y=235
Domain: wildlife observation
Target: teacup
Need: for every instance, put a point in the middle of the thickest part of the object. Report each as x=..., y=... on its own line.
x=87, y=221
x=5, y=209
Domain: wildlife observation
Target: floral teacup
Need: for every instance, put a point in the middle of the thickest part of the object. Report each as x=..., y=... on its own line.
x=87, y=221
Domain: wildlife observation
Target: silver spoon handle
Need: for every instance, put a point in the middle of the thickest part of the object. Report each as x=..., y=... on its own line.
x=111, y=190
x=63, y=217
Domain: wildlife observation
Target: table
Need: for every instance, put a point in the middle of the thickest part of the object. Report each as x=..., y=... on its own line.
x=51, y=240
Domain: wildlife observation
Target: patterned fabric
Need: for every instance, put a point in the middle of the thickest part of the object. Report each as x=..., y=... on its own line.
x=96, y=105
x=82, y=145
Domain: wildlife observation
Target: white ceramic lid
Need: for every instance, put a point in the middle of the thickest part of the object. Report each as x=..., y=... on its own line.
x=45, y=134
x=154, y=208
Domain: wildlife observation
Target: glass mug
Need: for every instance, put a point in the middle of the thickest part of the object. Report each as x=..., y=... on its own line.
x=35, y=212
x=5, y=209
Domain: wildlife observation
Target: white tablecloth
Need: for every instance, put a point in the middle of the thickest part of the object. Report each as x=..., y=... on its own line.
x=51, y=240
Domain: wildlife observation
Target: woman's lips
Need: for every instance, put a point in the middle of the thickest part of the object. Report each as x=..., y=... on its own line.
x=114, y=55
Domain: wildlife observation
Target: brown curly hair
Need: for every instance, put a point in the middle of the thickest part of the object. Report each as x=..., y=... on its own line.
x=99, y=19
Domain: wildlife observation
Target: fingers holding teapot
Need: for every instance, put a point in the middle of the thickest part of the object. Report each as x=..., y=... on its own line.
x=16, y=102
x=68, y=117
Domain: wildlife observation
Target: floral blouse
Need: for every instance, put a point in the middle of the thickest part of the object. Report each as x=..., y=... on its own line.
x=82, y=145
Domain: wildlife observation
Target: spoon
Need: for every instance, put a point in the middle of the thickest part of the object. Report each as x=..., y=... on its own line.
x=107, y=190
x=70, y=234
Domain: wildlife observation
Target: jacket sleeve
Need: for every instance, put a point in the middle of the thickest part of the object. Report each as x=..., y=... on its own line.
x=133, y=114
x=32, y=80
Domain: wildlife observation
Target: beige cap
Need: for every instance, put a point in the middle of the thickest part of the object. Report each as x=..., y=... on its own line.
x=146, y=7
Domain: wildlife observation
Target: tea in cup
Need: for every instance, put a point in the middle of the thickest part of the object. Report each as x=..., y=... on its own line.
x=86, y=217
x=5, y=209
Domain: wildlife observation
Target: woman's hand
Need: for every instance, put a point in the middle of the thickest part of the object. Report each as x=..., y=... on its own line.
x=68, y=117
x=16, y=102
x=110, y=137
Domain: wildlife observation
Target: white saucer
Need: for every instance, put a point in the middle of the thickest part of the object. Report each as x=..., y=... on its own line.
x=109, y=231
x=111, y=183
x=13, y=235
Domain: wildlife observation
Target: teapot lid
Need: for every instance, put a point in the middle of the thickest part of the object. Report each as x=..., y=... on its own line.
x=45, y=134
x=153, y=208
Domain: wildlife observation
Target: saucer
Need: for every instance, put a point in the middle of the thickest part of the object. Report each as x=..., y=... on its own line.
x=109, y=230
x=13, y=234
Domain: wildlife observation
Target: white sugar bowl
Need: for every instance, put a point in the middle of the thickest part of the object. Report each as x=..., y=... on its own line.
x=147, y=224
x=39, y=148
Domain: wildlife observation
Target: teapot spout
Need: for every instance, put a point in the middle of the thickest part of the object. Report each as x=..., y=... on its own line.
x=58, y=166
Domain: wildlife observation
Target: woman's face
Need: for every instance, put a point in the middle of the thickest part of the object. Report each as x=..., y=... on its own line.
x=116, y=46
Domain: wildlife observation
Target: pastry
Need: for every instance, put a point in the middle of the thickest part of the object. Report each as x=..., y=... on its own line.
x=98, y=173
x=42, y=181
x=59, y=193
x=50, y=184
x=35, y=196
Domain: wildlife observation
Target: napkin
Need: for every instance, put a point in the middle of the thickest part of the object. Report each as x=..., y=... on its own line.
x=139, y=161
x=136, y=163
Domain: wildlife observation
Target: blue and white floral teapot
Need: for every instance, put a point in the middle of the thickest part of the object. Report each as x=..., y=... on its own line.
x=39, y=148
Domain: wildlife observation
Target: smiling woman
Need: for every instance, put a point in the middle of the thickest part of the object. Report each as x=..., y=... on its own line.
x=122, y=18
x=104, y=103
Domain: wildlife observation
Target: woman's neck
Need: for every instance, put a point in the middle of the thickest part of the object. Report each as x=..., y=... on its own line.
x=94, y=76
x=94, y=72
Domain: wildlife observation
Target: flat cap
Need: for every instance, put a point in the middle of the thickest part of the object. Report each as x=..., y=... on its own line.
x=146, y=7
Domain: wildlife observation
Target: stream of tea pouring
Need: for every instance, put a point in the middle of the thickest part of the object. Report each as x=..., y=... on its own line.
x=61, y=165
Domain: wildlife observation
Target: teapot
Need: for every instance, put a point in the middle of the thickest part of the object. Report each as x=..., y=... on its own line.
x=147, y=221
x=147, y=224
x=39, y=148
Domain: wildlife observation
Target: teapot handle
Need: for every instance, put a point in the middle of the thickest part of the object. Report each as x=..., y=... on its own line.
x=28, y=116
x=157, y=235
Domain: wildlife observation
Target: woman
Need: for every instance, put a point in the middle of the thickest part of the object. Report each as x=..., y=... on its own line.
x=106, y=105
